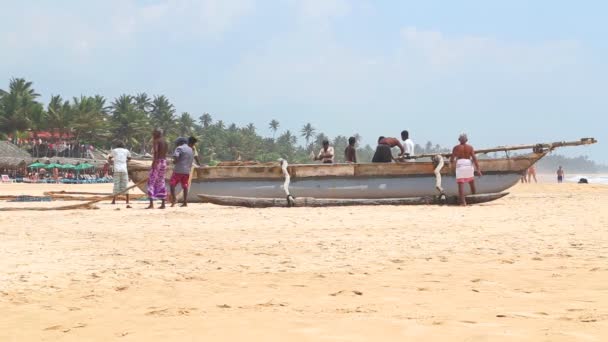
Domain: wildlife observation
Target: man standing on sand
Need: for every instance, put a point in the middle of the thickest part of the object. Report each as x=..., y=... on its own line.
x=466, y=163
x=350, y=153
x=182, y=158
x=119, y=157
x=192, y=143
x=532, y=174
x=156, y=181
x=560, y=175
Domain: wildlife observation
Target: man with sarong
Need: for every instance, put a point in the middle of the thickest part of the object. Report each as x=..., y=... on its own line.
x=120, y=157
x=157, y=189
x=466, y=163
x=383, y=150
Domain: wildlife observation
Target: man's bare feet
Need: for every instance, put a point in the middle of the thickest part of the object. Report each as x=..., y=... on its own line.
x=162, y=207
x=128, y=206
x=183, y=205
x=150, y=207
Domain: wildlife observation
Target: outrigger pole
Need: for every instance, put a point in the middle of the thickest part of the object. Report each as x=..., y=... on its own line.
x=537, y=148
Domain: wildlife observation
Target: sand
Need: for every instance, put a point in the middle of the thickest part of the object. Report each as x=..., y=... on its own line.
x=530, y=267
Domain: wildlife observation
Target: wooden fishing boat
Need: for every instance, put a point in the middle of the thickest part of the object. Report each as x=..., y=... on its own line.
x=249, y=202
x=413, y=179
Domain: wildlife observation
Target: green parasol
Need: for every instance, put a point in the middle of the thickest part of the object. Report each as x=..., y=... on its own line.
x=68, y=167
x=84, y=166
x=36, y=165
x=52, y=166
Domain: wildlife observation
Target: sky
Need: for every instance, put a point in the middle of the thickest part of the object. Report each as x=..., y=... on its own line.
x=505, y=72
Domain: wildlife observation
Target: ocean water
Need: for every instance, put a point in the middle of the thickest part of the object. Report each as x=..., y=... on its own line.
x=591, y=178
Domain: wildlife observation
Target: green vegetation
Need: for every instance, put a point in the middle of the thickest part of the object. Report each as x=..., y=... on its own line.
x=131, y=118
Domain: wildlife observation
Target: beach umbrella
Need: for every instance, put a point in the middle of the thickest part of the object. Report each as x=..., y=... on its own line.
x=83, y=166
x=52, y=166
x=36, y=165
x=68, y=167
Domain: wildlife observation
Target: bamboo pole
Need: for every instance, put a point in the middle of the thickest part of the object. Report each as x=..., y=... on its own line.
x=544, y=146
x=86, y=205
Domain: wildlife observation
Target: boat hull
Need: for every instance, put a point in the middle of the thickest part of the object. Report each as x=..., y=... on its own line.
x=345, y=181
x=324, y=202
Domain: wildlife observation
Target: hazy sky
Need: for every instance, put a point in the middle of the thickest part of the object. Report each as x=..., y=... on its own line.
x=506, y=72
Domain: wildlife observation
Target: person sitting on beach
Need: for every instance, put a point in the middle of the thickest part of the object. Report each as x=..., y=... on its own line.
x=157, y=188
x=119, y=157
x=466, y=163
x=560, y=174
x=56, y=175
x=383, y=152
x=350, y=153
x=326, y=155
x=182, y=158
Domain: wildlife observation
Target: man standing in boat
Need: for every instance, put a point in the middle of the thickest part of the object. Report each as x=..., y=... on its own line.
x=350, y=153
x=466, y=163
x=408, y=147
x=326, y=155
x=157, y=188
x=383, y=150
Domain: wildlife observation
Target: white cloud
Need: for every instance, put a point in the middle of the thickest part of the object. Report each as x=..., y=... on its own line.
x=453, y=53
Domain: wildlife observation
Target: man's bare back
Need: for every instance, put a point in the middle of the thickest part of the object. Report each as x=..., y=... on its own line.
x=160, y=149
x=463, y=151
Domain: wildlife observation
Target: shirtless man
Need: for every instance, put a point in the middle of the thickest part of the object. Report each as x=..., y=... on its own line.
x=464, y=154
x=157, y=188
x=383, y=150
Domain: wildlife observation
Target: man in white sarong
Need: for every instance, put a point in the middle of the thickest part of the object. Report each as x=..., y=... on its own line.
x=466, y=163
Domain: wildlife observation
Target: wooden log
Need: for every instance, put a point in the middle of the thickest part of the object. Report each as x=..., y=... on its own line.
x=250, y=202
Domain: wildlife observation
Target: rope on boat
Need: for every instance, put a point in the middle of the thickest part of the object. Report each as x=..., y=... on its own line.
x=289, y=197
x=86, y=205
x=438, y=159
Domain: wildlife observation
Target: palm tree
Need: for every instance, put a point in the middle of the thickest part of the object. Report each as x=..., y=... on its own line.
x=358, y=138
x=59, y=115
x=185, y=124
x=130, y=124
x=274, y=126
x=19, y=109
x=90, y=122
x=220, y=124
x=163, y=114
x=308, y=132
x=250, y=128
x=142, y=102
x=206, y=120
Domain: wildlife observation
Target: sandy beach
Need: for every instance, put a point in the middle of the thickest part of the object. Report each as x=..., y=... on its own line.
x=530, y=267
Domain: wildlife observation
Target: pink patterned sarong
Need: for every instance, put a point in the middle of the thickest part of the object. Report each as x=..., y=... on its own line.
x=156, y=183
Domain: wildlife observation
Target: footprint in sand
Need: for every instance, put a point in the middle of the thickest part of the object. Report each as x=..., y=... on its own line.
x=54, y=327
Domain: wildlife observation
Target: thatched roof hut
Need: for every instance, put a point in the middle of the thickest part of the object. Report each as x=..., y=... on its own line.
x=12, y=157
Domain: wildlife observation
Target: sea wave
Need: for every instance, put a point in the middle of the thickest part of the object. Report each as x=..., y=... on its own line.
x=592, y=179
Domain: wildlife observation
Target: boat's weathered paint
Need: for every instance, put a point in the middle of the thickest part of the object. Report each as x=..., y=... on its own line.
x=365, y=181
x=249, y=202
